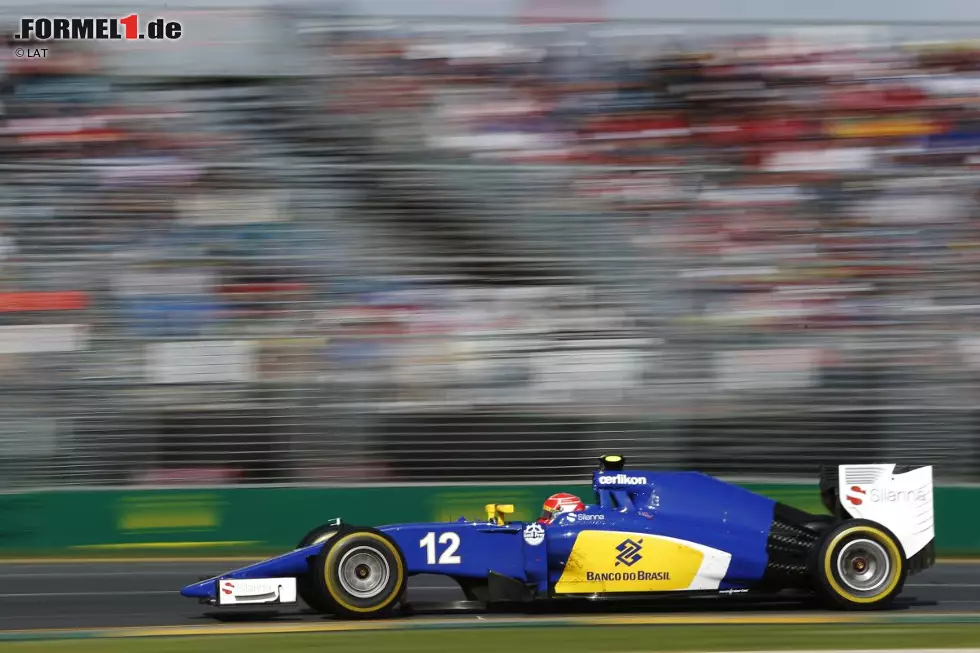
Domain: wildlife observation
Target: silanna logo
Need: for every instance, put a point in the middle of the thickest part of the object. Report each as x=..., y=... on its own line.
x=629, y=553
x=228, y=588
x=857, y=501
x=622, y=479
x=858, y=495
x=571, y=517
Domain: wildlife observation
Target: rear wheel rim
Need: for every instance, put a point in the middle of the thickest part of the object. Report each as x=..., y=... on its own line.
x=864, y=566
x=364, y=572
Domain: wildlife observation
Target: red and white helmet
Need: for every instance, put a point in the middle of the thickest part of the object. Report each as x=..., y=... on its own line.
x=559, y=503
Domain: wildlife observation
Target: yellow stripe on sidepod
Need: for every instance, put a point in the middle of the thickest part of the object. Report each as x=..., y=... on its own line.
x=609, y=561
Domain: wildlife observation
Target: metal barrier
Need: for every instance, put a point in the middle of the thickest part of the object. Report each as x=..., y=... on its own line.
x=466, y=323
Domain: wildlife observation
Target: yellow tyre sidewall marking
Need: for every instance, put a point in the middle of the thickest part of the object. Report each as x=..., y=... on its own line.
x=332, y=556
x=882, y=539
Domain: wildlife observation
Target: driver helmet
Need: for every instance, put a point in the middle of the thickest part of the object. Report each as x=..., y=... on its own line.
x=559, y=503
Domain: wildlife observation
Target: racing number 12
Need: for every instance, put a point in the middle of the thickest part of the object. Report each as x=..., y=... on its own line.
x=448, y=556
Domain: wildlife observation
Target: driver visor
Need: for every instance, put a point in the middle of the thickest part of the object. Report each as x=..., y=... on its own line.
x=548, y=514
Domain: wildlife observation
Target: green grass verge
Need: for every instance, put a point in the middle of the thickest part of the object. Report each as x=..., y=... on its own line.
x=595, y=639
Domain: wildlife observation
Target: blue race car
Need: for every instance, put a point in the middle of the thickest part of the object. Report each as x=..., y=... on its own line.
x=647, y=533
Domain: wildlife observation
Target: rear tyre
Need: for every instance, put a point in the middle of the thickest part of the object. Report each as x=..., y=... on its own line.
x=306, y=585
x=859, y=565
x=360, y=574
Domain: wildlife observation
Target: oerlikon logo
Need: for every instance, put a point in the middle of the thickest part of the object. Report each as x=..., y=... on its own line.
x=622, y=479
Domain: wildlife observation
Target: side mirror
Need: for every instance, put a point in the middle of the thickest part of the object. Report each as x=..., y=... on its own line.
x=496, y=512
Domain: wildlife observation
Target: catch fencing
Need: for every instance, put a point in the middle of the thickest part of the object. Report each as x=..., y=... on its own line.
x=443, y=322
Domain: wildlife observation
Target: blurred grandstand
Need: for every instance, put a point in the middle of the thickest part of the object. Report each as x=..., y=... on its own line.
x=490, y=253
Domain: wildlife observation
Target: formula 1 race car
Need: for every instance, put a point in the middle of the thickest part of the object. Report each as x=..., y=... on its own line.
x=648, y=533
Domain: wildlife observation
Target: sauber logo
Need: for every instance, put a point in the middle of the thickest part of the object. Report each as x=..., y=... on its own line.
x=857, y=501
x=629, y=553
x=884, y=495
x=622, y=479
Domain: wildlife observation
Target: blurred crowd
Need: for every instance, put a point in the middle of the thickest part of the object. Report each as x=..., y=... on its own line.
x=510, y=218
x=828, y=161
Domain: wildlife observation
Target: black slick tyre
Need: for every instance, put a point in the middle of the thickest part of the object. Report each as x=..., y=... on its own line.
x=360, y=574
x=306, y=585
x=858, y=565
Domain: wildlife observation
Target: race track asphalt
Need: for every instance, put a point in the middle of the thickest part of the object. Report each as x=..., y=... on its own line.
x=45, y=595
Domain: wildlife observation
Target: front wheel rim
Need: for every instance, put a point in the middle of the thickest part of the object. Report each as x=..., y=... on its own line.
x=364, y=572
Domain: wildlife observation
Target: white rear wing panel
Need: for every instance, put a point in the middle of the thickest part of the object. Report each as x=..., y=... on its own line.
x=903, y=503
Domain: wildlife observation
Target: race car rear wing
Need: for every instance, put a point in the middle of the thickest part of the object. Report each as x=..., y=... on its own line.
x=899, y=497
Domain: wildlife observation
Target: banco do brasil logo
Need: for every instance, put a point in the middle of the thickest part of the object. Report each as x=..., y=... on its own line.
x=629, y=553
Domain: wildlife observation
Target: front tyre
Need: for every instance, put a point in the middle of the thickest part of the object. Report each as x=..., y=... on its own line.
x=306, y=585
x=361, y=574
x=859, y=565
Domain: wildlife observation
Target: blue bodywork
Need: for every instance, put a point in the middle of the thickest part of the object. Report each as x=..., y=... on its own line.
x=684, y=505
